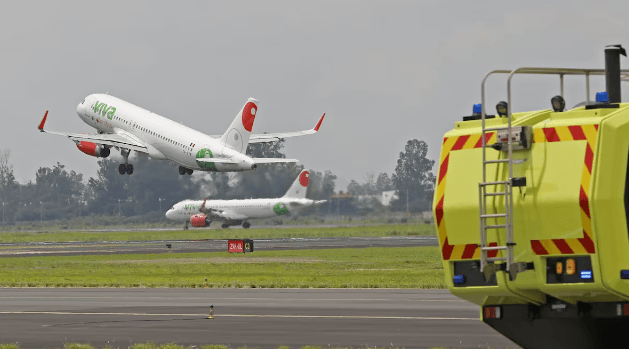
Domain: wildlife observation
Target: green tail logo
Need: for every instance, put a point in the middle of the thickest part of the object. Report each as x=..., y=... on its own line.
x=280, y=209
x=206, y=153
x=103, y=110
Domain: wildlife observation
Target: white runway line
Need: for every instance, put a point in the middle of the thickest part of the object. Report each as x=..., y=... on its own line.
x=245, y=315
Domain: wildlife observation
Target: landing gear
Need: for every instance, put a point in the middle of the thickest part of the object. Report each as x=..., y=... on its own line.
x=126, y=167
x=183, y=170
x=224, y=225
x=246, y=225
x=185, y=226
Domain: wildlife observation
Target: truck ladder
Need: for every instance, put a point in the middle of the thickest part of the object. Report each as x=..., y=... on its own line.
x=503, y=189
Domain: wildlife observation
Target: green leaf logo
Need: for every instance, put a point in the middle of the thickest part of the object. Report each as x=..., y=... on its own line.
x=206, y=153
x=280, y=209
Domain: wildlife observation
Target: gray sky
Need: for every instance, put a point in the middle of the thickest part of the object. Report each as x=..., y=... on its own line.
x=383, y=71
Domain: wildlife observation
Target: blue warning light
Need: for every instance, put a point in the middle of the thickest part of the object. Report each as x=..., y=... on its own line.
x=458, y=279
x=477, y=109
x=602, y=97
x=586, y=274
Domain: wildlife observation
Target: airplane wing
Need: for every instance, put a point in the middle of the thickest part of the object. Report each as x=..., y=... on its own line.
x=116, y=140
x=272, y=137
x=214, y=213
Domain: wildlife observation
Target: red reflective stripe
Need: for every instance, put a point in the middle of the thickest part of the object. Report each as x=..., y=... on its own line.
x=446, y=250
x=468, y=253
x=584, y=202
x=444, y=168
x=538, y=248
x=577, y=133
x=587, y=243
x=480, y=140
x=439, y=211
x=589, y=157
x=563, y=247
x=551, y=134
x=492, y=254
x=596, y=126
x=458, y=145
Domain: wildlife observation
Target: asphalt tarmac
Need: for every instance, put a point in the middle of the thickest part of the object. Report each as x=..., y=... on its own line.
x=262, y=318
x=208, y=245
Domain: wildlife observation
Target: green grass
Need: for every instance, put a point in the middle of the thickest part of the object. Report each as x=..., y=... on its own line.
x=403, y=267
x=375, y=230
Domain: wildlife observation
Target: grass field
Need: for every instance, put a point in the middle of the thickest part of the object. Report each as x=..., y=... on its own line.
x=199, y=234
x=404, y=267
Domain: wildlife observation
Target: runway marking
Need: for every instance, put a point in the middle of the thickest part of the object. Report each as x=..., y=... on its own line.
x=248, y=298
x=246, y=315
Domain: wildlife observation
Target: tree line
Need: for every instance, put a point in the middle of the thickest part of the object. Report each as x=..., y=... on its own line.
x=59, y=193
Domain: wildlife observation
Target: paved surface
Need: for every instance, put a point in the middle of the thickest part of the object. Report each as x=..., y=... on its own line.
x=210, y=245
x=263, y=318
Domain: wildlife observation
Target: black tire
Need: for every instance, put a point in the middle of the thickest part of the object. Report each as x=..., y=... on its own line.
x=105, y=152
x=246, y=225
x=224, y=225
x=189, y=171
x=182, y=170
x=129, y=169
x=207, y=222
x=122, y=169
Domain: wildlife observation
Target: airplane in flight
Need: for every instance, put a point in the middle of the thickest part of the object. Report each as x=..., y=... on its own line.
x=201, y=213
x=127, y=127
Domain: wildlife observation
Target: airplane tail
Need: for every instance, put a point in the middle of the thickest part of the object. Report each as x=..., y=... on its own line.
x=299, y=187
x=237, y=135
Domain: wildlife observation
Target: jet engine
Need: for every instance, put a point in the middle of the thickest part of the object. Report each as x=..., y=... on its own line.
x=199, y=220
x=93, y=149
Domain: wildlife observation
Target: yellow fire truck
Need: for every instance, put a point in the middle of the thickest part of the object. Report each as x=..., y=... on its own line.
x=532, y=209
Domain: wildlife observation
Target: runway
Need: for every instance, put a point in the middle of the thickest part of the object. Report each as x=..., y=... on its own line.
x=263, y=318
x=208, y=245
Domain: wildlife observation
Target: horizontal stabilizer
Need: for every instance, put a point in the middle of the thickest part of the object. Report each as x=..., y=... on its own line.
x=273, y=137
x=272, y=160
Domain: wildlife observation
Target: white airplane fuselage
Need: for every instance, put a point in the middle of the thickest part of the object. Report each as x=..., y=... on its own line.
x=239, y=209
x=166, y=139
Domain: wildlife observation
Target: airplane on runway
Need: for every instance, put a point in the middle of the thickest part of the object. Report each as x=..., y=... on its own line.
x=127, y=127
x=235, y=212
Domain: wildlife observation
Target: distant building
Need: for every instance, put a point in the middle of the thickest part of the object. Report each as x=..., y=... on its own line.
x=387, y=197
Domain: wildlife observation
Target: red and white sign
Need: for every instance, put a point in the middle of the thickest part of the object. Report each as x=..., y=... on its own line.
x=235, y=246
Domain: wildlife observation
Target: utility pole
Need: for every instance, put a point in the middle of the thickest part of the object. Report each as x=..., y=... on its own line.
x=119, y=211
x=160, y=204
x=407, y=201
x=3, y=212
x=41, y=211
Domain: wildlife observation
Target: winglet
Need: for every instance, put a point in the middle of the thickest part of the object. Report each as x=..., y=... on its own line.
x=319, y=123
x=202, y=209
x=43, y=121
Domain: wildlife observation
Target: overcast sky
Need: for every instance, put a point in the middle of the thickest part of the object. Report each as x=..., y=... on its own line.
x=384, y=72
